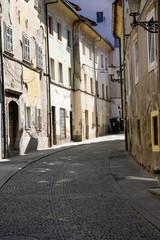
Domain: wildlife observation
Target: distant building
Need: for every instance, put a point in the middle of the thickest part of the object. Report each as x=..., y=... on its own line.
x=100, y=13
x=79, y=57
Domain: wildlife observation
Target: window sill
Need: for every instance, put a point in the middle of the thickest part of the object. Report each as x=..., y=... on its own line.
x=9, y=52
x=60, y=41
x=152, y=66
x=27, y=61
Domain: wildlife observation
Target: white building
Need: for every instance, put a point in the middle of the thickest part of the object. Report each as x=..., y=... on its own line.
x=79, y=56
x=101, y=13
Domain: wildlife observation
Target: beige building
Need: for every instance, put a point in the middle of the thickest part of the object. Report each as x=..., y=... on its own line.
x=25, y=85
x=143, y=87
x=79, y=57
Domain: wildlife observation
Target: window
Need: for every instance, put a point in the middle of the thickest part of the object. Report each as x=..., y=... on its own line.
x=151, y=46
x=103, y=91
x=50, y=24
x=85, y=82
x=8, y=39
x=52, y=69
x=91, y=82
x=117, y=42
x=90, y=50
x=37, y=4
x=60, y=73
x=39, y=57
x=102, y=65
x=99, y=17
x=106, y=63
x=95, y=55
x=136, y=61
x=69, y=38
x=70, y=76
x=97, y=90
x=129, y=77
x=38, y=118
x=83, y=45
x=93, y=119
x=26, y=48
x=139, y=131
x=106, y=92
x=28, y=117
x=155, y=130
x=59, y=31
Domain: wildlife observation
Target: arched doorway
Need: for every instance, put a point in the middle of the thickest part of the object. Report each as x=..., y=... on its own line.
x=13, y=126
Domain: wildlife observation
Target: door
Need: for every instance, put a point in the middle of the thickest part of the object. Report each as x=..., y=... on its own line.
x=86, y=124
x=54, y=124
x=71, y=127
x=13, y=126
x=62, y=124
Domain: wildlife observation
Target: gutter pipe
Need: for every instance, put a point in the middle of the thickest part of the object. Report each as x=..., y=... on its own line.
x=3, y=94
x=49, y=73
x=124, y=75
x=96, y=92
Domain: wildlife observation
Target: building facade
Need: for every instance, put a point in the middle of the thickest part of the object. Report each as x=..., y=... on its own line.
x=77, y=58
x=143, y=86
x=101, y=14
x=25, y=87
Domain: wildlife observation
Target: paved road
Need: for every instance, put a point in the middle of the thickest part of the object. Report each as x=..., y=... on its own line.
x=68, y=196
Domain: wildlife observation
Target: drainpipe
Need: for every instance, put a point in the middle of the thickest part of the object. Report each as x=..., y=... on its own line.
x=3, y=91
x=124, y=76
x=49, y=73
x=95, y=41
x=159, y=36
x=120, y=61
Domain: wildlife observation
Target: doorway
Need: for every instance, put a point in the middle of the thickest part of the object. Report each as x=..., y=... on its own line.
x=71, y=127
x=13, y=126
x=54, y=124
x=86, y=124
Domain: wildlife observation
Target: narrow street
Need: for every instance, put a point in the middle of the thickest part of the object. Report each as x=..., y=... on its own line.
x=69, y=196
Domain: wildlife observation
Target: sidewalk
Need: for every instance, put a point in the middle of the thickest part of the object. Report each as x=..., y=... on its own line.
x=125, y=175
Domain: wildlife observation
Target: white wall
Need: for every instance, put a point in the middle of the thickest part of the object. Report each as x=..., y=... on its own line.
x=89, y=9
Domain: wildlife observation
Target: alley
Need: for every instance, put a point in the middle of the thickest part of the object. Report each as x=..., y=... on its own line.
x=69, y=196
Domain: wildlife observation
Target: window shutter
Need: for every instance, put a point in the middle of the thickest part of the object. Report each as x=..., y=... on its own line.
x=36, y=118
x=40, y=119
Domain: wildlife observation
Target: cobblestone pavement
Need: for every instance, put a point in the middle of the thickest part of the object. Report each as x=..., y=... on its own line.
x=66, y=196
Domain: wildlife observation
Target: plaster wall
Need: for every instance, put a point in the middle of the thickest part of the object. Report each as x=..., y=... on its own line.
x=143, y=95
x=89, y=10
x=22, y=84
x=61, y=92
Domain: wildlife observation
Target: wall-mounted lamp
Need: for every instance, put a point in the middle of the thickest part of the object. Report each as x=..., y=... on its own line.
x=111, y=71
x=151, y=26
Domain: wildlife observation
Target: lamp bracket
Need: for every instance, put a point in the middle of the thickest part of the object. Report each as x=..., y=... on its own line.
x=150, y=26
x=116, y=80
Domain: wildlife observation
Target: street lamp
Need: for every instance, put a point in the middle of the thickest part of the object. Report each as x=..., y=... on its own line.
x=111, y=72
x=150, y=26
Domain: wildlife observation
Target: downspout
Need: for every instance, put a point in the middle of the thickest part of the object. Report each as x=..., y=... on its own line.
x=159, y=37
x=124, y=75
x=3, y=91
x=49, y=73
x=95, y=41
x=120, y=61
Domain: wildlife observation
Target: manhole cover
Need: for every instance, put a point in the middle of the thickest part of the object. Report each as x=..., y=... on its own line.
x=17, y=238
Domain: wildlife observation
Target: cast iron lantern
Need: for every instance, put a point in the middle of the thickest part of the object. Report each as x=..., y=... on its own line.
x=111, y=72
